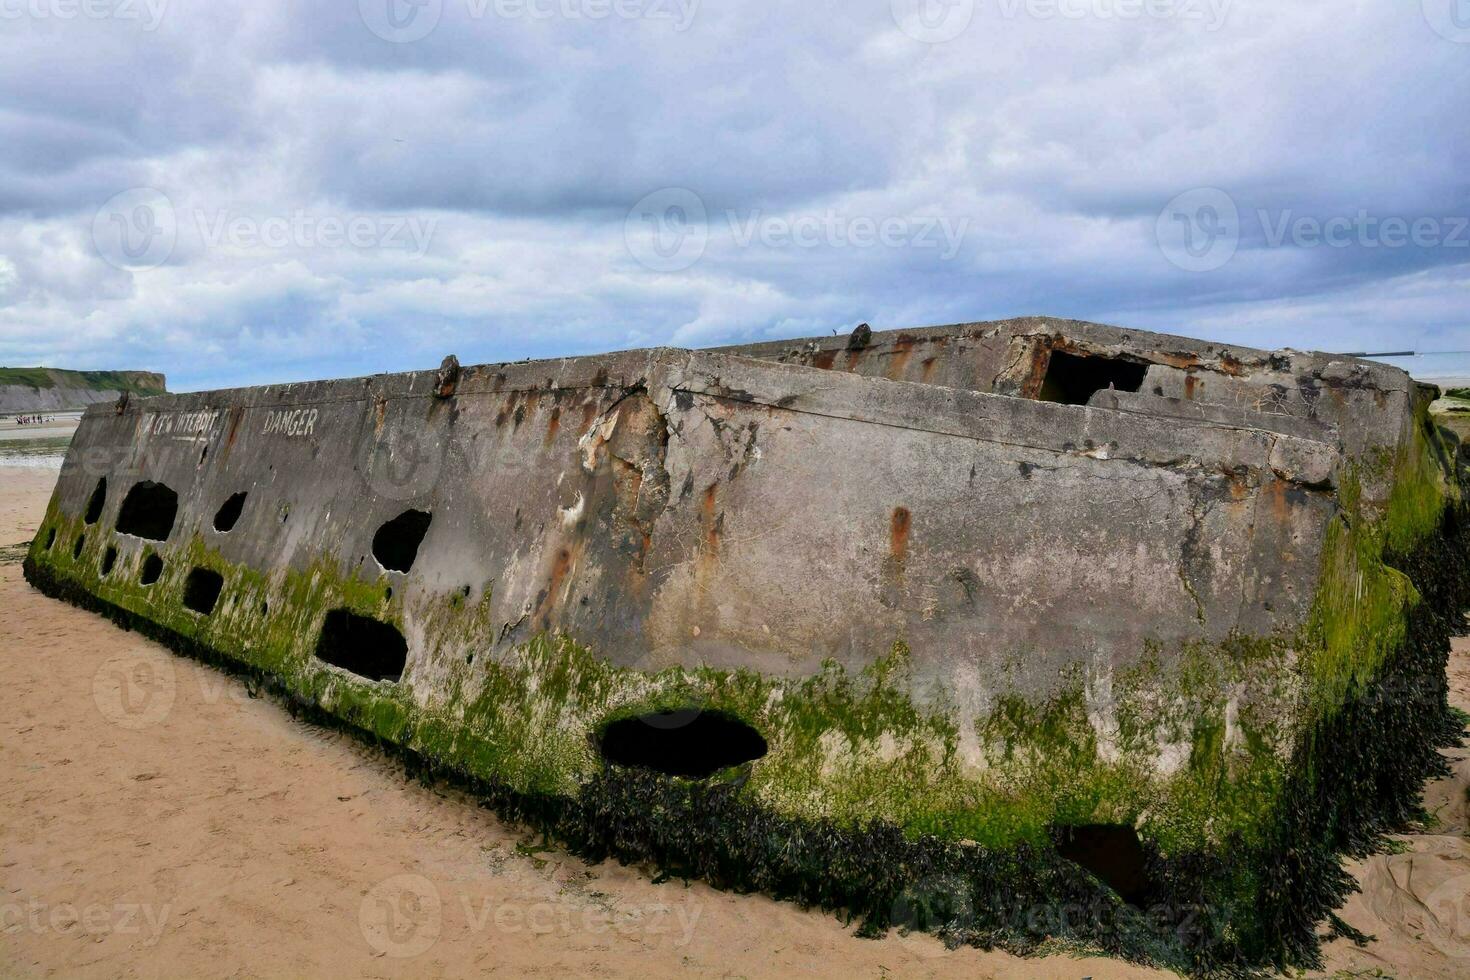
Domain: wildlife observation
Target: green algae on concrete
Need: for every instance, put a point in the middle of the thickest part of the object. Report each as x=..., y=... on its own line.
x=1189, y=746
x=843, y=747
x=1217, y=751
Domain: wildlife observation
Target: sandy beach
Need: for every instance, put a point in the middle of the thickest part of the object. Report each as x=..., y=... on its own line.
x=155, y=820
x=37, y=445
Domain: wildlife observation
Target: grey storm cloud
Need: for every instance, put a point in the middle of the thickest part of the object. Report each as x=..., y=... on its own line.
x=247, y=192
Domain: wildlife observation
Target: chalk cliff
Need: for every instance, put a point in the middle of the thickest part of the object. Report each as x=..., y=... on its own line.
x=53, y=390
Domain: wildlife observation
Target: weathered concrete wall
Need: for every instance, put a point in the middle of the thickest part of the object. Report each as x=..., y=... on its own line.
x=700, y=509
x=704, y=511
x=941, y=601
x=1367, y=402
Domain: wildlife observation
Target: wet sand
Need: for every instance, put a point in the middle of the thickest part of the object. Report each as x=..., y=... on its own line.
x=157, y=821
x=36, y=446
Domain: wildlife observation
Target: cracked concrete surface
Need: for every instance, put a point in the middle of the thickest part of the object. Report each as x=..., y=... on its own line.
x=776, y=505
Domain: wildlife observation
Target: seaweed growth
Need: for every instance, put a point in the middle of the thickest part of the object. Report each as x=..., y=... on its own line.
x=1236, y=859
x=1230, y=910
x=1365, y=765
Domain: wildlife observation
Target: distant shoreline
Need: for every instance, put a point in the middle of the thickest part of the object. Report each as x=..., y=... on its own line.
x=43, y=391
x=40, y=445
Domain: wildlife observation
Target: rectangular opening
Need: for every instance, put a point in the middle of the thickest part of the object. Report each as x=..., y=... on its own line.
x=1072, y=379
x=201, y=590
x=364, y=646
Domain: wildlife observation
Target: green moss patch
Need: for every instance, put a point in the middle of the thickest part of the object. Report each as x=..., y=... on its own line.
x=1247, y=767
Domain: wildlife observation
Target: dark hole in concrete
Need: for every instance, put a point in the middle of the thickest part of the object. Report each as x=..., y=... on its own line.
x=364, y=646
x=148, y=511
x=1072, y=379
x=76, y=550
x=152, y=569
x=229, y=513
x=94, y=506
x=396, y=544
x=109, y=558
x=50, y=538
x=1111, y=852
x=683, y=742
x=201, y=589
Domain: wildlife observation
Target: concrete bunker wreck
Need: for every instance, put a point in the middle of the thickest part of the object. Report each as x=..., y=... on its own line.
x=1067, y=640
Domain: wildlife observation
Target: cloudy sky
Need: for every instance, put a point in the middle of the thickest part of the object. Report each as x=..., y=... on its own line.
x=244, y=192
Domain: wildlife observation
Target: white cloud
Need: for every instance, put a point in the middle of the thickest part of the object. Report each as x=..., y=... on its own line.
x=519, y=145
